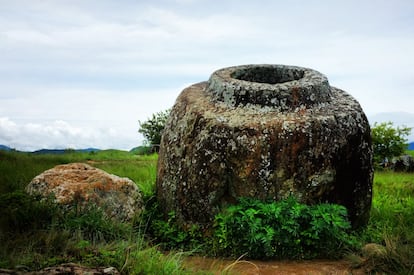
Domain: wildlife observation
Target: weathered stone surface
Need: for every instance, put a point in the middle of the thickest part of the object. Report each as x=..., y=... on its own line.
x=264, y=131
x=80, y=183
x=65, y=269
x=404, y=163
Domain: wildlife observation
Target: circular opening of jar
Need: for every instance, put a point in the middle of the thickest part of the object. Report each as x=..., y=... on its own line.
x=268, y=74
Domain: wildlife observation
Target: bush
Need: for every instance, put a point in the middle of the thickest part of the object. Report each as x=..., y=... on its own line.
x=167, y=232
x=152, y=128
x=284, y=229
x=20, y=212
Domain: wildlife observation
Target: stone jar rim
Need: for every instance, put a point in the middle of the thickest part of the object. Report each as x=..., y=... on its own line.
x=283, y=87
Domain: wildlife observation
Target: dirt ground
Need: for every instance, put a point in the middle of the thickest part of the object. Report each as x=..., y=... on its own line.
x=314, y=267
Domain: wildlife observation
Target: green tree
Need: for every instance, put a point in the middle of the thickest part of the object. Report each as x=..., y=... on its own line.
x=388, y=141
x=152, y=128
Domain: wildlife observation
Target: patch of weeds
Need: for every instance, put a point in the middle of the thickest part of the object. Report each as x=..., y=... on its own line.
x=92, y=224
x=286, y=230
x=151, y=261
x=283, y=229
x=20, y=212
x=168, y=233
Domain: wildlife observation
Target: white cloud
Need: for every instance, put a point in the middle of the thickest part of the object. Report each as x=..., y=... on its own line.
x=81, y=118
x=29, y=136
x=100, y=66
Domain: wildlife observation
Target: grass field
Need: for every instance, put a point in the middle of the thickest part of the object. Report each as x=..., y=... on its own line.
x=392, y=221
x=32, y=234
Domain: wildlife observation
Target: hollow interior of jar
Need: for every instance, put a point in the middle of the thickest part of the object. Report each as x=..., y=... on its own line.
x=268, y=75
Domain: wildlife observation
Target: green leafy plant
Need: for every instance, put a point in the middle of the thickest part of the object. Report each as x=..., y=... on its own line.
x=167, y=231
x=284, y=229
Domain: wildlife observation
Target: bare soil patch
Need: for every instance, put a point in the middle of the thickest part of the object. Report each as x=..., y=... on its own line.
x=314, y=267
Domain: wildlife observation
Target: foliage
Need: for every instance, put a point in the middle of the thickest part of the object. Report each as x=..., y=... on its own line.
x=92, y=224
x=167, y=232
x=388, y=141
x=35, y=234
x=151, y=261
x=20, y=212
x=284, y=229
x=153, y=127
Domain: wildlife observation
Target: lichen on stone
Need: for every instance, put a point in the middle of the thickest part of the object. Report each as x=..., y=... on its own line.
x=264, y=131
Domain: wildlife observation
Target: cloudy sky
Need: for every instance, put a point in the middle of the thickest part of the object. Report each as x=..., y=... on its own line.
x=81, y=73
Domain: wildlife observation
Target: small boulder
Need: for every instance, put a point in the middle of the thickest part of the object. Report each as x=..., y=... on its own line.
x=63, y=269
x=79, y=183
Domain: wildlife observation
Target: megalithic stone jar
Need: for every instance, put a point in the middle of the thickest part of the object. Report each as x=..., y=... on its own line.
x=264, y=131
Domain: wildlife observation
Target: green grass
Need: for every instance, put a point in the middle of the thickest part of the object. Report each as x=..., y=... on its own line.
x=142, y=171
x=17, y=169
x=393, y=204
x=392, y=222
x=35, y=234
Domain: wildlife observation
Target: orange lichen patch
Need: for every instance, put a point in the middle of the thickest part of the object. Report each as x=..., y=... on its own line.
x=295, y=96
x=64, y=181
x=81, y=183
x=297, y=145
x=302, y=111
x=249, y=166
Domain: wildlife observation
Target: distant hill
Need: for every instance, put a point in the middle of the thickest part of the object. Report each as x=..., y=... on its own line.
x=49, y=151
x=141, y=150
x=5, y=148
x=88, y=150
x=411, y=146
x=62, y=151
x=52, y=151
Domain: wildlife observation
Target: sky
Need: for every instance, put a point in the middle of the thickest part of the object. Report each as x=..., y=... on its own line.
x=82, y=73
